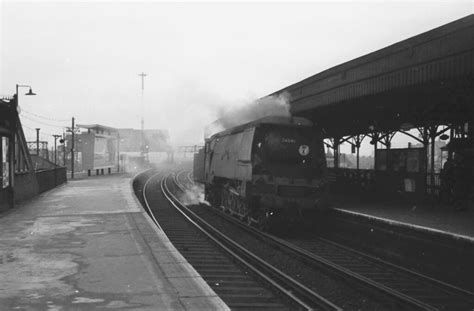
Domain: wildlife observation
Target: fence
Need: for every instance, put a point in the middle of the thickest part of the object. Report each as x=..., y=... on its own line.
x=352, y=181
x=48, y=179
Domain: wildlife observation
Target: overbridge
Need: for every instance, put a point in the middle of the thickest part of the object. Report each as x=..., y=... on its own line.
x=424, y=83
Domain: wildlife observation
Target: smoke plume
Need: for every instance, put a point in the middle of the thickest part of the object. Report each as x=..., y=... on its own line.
x=277, y=105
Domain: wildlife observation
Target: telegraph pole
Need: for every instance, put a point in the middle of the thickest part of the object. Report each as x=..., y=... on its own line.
x=64, y=149
x=143, y=75
x=72, y=149
x=118, y=151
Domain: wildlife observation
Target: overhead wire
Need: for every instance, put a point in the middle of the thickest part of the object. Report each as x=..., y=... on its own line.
x=42, y=133
x=47, y=130
x=45, y=135
x=43, y=117
x=43, y=123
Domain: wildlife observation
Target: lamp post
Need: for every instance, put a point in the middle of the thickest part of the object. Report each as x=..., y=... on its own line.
x=12, y=140
x=30, y=92
x=73, y=130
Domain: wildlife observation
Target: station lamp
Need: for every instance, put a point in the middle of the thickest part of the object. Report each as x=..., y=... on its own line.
x=30, y=92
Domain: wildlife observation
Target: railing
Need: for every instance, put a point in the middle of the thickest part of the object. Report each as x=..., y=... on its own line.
x=352, y=180
x=346, y=180
x=48, y=179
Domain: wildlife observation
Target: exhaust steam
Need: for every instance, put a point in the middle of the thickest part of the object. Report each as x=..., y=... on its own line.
x=278, y=105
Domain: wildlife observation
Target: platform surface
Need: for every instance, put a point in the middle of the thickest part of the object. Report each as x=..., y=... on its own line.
x=88, y=245
x=437, y=218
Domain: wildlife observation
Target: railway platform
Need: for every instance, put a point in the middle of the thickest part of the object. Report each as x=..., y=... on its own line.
x=88, y=245
x=442, y=220
x=431, y=239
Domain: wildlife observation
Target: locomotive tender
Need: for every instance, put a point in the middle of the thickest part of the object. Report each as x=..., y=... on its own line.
x=269, y=170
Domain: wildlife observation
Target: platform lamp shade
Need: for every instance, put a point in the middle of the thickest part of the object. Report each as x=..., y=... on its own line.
x=30, y=92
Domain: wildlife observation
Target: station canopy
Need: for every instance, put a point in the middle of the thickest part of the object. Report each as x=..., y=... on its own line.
x=422, y=81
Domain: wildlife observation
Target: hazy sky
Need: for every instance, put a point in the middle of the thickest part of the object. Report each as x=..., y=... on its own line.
x=83, y=58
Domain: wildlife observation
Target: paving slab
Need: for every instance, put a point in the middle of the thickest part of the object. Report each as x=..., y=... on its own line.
x=88, y=245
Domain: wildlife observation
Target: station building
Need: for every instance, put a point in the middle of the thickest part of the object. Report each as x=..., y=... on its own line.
x=21, y=178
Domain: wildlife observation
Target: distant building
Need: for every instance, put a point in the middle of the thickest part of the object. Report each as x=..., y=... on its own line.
x=95, y=148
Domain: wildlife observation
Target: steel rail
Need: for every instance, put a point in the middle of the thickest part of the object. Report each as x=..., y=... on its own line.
x=313, y=258
x=176, y=180
x=188, y=176
x=238, y=289
x=286, y=285
x=447, y=286
x=147, y=205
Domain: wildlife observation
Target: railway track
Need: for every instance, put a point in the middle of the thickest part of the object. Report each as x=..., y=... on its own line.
x=235, y=274
x=411, y=289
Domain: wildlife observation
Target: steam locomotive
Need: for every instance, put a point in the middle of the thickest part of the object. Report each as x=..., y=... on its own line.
x=265, y=172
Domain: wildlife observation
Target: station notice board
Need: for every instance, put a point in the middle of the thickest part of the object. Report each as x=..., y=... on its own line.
x=400, y=169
